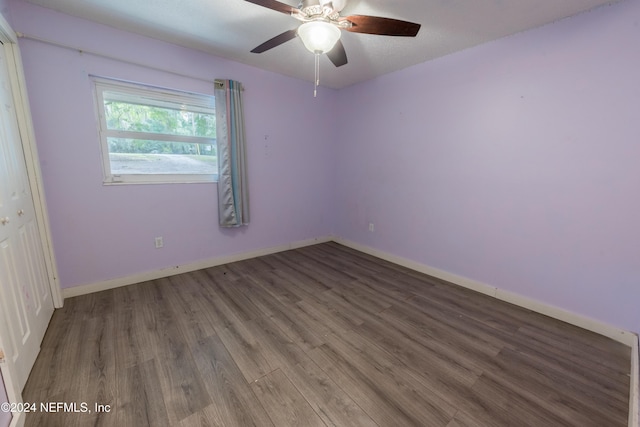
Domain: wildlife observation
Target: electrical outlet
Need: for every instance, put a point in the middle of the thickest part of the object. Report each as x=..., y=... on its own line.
x=159, y=242
x=371, y=227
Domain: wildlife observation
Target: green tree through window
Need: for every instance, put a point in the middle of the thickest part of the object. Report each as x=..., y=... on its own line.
x=156, y=135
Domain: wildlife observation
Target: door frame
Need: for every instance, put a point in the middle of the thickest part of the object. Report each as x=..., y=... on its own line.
x=25, y=125
x=14, y=394
x=11, y=50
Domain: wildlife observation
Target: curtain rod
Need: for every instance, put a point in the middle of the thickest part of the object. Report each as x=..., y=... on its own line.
x=106, y=56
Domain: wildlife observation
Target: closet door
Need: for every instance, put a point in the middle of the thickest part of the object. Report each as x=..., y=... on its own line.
x=25, y=296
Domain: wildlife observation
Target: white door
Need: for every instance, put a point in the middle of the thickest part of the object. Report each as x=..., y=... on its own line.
x=25, y=296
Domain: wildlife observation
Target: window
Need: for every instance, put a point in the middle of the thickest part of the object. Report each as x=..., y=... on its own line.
x=155, y=135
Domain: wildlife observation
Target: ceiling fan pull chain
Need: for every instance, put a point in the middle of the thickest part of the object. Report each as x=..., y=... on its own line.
x=316, y=80
x=322, y=25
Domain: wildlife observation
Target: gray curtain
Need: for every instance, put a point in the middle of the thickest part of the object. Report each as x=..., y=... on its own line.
x=233, y=196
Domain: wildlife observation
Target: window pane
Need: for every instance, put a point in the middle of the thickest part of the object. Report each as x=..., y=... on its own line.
x=147, y=118
x=137, y=156
x=151, y=134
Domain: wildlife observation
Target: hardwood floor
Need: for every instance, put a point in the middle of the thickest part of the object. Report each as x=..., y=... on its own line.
x=321, y=336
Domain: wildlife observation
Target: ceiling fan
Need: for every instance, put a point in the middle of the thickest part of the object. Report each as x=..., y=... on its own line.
x=322, y=25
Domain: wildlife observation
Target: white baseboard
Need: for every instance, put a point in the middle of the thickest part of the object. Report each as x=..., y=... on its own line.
x=617, y=334
x=625, y=337
x=634, y=395
x=628, y=338
x=184, y=268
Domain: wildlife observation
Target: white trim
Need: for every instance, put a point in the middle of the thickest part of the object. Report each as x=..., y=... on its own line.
x=8, y=374
x=27, y=135
x=620, y=335
x=617, y=334
x=8, y=38
x=625, y=337
x=156, y=96
x=25, y=125
x=7, y=35
x=185, y=268
x=634, y=394
x=18, y=419
x=135, y=93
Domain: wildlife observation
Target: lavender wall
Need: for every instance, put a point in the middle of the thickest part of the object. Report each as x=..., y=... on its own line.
x=513, y=163
x=4, y=8
x=105, y=232
x=516, y=164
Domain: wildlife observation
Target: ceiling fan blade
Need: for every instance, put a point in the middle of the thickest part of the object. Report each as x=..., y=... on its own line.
x=337, y=55
x=276, y=41
x=382, y=26
x=275, y=5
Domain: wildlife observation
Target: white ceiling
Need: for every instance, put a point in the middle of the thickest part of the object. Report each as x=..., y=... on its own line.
x=231, y=28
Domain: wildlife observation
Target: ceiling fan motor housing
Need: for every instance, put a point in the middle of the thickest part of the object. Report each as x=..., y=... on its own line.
x=316, y=6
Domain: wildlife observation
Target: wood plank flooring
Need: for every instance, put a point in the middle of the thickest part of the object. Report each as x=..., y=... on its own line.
x=321, y=336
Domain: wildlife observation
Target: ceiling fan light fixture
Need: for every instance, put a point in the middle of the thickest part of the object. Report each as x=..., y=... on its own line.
x=336, y=5
x=319, y=36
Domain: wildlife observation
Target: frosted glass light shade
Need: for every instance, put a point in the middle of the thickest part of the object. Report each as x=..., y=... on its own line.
x=319, y=36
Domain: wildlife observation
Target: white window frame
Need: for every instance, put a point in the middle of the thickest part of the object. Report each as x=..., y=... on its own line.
x=159, y=97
